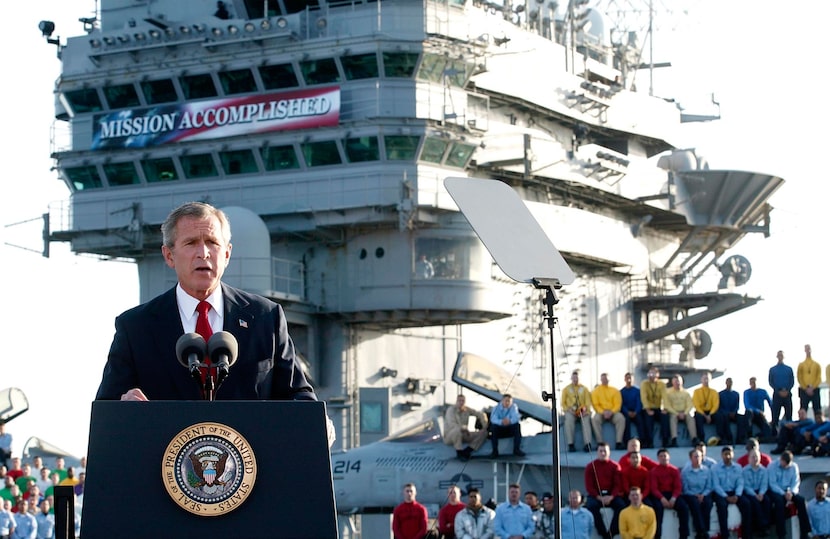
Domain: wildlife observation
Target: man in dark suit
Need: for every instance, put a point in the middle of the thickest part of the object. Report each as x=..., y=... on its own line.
x=142, y=363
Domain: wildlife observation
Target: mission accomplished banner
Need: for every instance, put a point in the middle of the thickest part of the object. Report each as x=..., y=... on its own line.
x=201, y=120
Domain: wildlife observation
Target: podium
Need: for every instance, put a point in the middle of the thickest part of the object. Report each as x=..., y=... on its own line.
x=241, y=469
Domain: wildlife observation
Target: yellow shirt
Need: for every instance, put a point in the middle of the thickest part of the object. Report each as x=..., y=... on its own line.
x=706, y=400
x=606, y=398
x=638, y=522
x=652, y=394
x=574, y=397
x=809, y=373
x=678, y=400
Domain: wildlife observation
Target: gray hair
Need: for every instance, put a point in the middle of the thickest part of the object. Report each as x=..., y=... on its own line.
x=198, y=210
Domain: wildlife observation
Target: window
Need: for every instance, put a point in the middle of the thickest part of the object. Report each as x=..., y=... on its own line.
x=159, y=91
x=198, y=166
x=450, y=258
x=360, y=66
x=432, y=68
x=279, y=158
x=460, y=154
x=321, y=153
x=238, y=162
x=81, y=101
x=198, y=86
x=322, y=71
x=83, y=178
x=400, y=64
x=434, y=149
x=238, y=81
x=401, y=147
x=371, y=417
x=121, y=174
x=121, y=96
x=362, y=149
x=159, y=170
x=278, y=76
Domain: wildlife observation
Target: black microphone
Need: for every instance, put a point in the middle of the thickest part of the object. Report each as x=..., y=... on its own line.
x=222, y=349
x=191, y=349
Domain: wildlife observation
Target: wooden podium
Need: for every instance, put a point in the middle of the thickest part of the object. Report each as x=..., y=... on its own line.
x=178, y=469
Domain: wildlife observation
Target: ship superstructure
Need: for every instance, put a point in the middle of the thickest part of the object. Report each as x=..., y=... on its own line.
x=325, y=130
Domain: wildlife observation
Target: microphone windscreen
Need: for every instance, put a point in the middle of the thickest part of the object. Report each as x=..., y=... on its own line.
x=223, y=343
x=190, y=343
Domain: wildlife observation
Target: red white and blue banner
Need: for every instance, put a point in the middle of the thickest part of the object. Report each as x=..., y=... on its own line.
x=216, y=118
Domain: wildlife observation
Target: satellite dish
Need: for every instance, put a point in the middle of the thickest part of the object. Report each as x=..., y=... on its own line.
x=736, y=271
x=696, y=344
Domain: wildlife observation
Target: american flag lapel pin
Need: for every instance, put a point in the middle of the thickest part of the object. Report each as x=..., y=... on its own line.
x=243, y=323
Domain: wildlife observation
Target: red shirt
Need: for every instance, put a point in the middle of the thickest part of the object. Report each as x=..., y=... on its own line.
x=409, y=521
x=636, y=477
x=446, y=519
x=603, y=475
x=665, y=479
x=744, y=460
x=645, y=462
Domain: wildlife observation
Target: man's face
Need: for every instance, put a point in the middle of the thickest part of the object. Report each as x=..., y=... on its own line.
x=635, y=458
x=44, y=507
x=548, y=505
x=729, y=383
x=675, y=382
x=727, y=457
x=409, y=494
x=821, y=491
x=575, y=379
x=506, y=401
x=807, y=349
x=663, y=458
x=199, y=255
x=453, y=495
x=780, y=356
x=628, y=380
x=704, y=379
x=696, y=458
x=530, y=499
x=752, y=384
x=636, y=497
x=652, y=375
x=602, y=452
x=460, y=402
x=474, y=499
x=574, y=499
x=603, y=379
x=633, y=445
x=513, y=495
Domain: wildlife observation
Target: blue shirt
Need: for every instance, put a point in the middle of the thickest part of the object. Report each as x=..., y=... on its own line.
x=819, y=513
x=783, y=479
x=756, y=480
x=754, y=400
x=45, y=525
x=25, y=526
x=514, y=520
x=696, y=480
x=6, y=522
x=781, y=377
x=631, y=401
x=729, y=401
x=500, y=412
x=576, y=524
x=728, y=479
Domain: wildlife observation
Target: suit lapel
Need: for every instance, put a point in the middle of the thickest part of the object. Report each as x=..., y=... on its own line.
x=237, y=318
x=170, y=328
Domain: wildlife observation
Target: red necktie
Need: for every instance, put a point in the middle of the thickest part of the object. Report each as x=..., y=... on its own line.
x=203, y=328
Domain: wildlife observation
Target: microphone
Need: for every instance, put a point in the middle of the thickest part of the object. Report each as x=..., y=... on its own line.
x=191, y=349
x=222, y=348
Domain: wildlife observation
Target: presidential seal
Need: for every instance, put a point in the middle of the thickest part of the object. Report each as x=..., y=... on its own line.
x=209, y=469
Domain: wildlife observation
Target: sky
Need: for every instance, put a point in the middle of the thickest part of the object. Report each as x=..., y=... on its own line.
x=763, y=61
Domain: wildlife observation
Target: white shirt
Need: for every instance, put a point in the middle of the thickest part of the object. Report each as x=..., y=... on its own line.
x=187, y=309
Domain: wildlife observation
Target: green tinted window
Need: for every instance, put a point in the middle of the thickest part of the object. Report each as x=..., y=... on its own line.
x=432, y=68
x=83, y=178
x=81, y=101
x=198, y=166
x=238, y=162
x=362, y=149
x=322, y=71
x=360, y=66
x=401, y=147
x=198, y=86
x=322, y=153
x=279, y=158
x=121, y=174
x=433, y=150
x=278, y=76
x=237, y=81
x=400, y=64
x=159, y=91
x=159, y=170
x=121, y=96
x=460, y=154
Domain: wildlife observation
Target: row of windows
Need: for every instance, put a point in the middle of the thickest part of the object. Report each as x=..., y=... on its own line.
x=272, y=158
x=433, y=67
